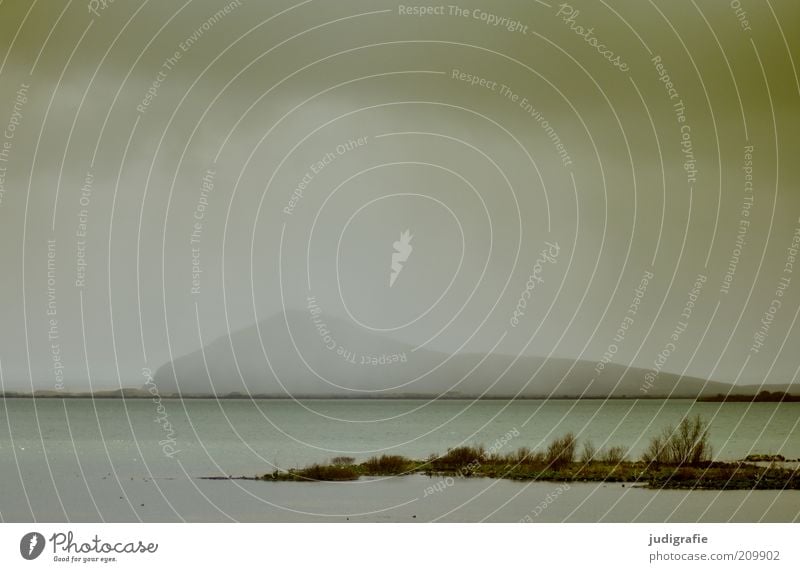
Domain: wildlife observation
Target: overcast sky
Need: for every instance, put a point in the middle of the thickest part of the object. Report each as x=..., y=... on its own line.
x=613, y=135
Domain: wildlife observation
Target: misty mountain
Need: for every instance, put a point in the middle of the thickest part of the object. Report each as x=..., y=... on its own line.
x=301, y=354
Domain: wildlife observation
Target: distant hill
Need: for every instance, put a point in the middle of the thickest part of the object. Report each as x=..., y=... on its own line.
x=350, y=362
x=762, y=397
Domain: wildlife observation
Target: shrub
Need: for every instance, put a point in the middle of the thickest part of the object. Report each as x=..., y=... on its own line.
x=318, y=472
x=688, y=444
x=496, y=459
x=343, y=460
x=613, y=455
x=387, y=464
x=533, y=457
x=657, y=452
x=536, y=458
x=561, y=451
x=588, y=453
x=463, y=455
x=460, y=457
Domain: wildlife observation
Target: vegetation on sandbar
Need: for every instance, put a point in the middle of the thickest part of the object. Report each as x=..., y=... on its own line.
x=677, y=458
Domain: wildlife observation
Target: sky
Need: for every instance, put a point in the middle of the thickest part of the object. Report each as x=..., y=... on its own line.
x=577, y=180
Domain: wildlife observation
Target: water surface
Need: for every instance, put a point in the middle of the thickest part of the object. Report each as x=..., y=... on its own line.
x=79, y=459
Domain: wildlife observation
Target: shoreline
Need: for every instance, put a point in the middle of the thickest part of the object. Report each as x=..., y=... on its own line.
x=715, y=475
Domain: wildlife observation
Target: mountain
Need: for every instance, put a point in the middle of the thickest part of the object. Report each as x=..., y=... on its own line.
x=326, y=356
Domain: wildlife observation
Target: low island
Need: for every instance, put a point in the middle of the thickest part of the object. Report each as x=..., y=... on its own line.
x=678, y=458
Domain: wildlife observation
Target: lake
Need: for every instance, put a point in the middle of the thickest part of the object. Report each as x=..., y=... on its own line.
x=85, y=460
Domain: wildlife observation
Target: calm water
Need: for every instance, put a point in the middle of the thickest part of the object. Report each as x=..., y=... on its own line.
x=102, y=460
